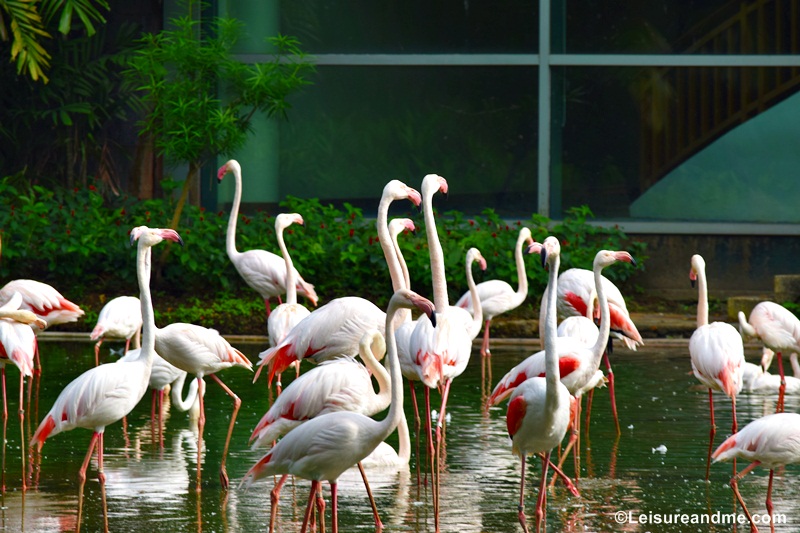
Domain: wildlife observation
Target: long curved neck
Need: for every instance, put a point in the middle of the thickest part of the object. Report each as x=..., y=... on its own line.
x=381, y=376
x=392, y=419
x=230, y=237
x=552, y=373
x=404, y=439
x=440, y=299
x=291, y=282
x=522, y=276
x=183, y=404
x=384, y=237
x=702, y=298
x=605, y=316
x=477, y=309
x=403, y=266
x=143, y=266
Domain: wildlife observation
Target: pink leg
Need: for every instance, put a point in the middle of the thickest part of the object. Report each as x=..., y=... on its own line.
x=97, y=352
x=127, y=345
x=485, y=346
x=782, y=389
x=5, y=402
x=237, y=403
x=274, y=498
x=540, y=503
x=378, y=523
x=611, y=392
x=201, y=424
x=22, y=423
x=735, y=486
x=37, y=365
x=769, y=501
x=266, y=304
x=567, y=481
x=521, y=506
x=713, y=432
x=417, y=423
x=588, y=410
x=161, y=418
x=310, y=506
x=92, y=444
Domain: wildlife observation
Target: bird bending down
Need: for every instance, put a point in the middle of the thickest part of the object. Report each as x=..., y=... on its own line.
x=779, y=330
x=104, y=394
x=539, y=410
x=202, y=352
x=496, y=295
x=263, y=271
x=716, y=351
x=770, y=441
x=120, y=318
x=325, y=446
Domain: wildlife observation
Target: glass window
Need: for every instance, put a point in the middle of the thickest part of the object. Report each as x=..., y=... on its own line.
x=678, y=143
x=412, y=26
x=686, y=27
x=358, y=127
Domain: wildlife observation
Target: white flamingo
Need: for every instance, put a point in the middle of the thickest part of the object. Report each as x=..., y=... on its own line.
x=120, y=318
x=263, y=271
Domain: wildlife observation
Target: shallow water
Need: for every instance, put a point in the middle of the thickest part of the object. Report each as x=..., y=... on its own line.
x=659, y=402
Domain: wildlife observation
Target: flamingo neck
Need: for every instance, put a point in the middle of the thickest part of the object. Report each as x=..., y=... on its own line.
x=230, y=236
x=388, y=424
x=380, y=373
x=440, y=299
x=404, y=440
x=384, y=237
x=291, y=282
x=702, y=298
x=522, y=275
x=601, y=344
x=552, y=372
x=477, y=308
x=143, y=267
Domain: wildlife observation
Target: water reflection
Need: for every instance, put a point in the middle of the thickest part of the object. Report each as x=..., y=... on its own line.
x=148, y=487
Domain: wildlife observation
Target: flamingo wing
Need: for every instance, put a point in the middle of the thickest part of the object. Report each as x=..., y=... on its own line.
x=717, y=355
x=197, y=350
x=18, y=343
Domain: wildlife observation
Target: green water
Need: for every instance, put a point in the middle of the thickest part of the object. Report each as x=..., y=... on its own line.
x=149, y=488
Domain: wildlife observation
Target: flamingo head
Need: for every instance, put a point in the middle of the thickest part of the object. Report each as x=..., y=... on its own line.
x=397, y=225
x=550, y=252
x=397, y=190
x=475, y=255
x=698, y=265
x=230, y=166
x=284, y=220
x=605, y=258
x=153, y=236
x=432, y=183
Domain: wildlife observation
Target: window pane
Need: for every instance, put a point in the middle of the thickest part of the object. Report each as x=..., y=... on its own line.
x=691, y=27
x=358, y=127
x=679, y=143
x=412, y=26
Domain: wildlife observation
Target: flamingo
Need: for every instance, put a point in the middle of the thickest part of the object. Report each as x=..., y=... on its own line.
x=104, y=394
x=539, y=410
x=716, y=350
x=578, y=362
x=779, y=330
x=335, y=385
x=202, y=352
x=286, y=315
x=263, y=271
x=120, y=318
x=331, y=331
x=496, y=295
x=757, y=380
x=324, y=447
x=771, y=441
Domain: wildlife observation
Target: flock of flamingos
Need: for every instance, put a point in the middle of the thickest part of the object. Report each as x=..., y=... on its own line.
x=321, y=424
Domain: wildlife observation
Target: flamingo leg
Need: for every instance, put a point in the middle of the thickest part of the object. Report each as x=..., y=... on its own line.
x=320, y=511
x=417, y=425
x=485, y=346
x=310, y=506
x=127, y=345
x=573, y=440
x=611, y=393
x=567, y=481
x=735, y=486
x=274, y=498
x=431, y=455
x=712, y=433
x=769, y=500
x=201, y=424
x=97, y=352
x=782, y=388
x=588, y=411
x=22, y=423
x=266, y=304
x=334, y=507
x=237, y=403
x=37, y=364
x=5, y=402
x=521, y=506
x=378, y=523
x=161, y=418
x=439, y=438
x=153, y=403
x=540, y=502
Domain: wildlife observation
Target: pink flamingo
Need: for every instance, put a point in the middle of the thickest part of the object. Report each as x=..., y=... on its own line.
x=286, y=315
x=104, y=394
x=120, y=318
x=578, y=362
x=327, y=445
x=332, y=331
x=202, y=352
x=496, y=295
x=717, y=353
x=263, y=271
x=539, y=410
x=770, y=441
x=778, y=329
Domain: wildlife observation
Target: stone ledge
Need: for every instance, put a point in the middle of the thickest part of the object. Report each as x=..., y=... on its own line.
x=787, y=288
x=744, y=304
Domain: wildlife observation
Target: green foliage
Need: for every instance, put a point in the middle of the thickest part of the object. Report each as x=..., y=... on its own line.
x=79, y=241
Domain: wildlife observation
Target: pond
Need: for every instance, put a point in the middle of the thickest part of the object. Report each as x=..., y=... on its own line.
x=150, y=488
